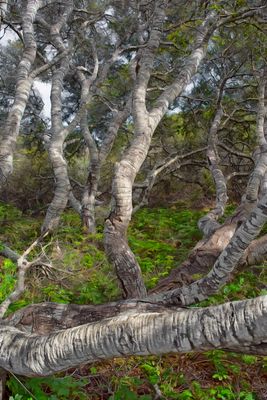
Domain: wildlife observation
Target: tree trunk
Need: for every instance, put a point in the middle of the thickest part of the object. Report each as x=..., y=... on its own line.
x=236, y=326
x=23, y=86
x=97, y=159
x=116, y=246
x=208, y=224
x=56, y=155
x=89, y=195
x=59, y=133
x=62, y=186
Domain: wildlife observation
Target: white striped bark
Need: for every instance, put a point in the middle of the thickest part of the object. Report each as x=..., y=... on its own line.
x=48, y=317
x=232, y=246
x=225, y=264
x=90, y=191
x=208, y=224
x=91, y=188
x=236, y=326
x=97, y=159
x=258, y=174
x=56, y=154
x=97, y=156
x=263, y=187
x=75, y=203
x=116, y=246
x=117, y=249
x=59, y=133
x=23, y=86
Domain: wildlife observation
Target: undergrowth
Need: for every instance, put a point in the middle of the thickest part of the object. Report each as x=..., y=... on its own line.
x=161, y=239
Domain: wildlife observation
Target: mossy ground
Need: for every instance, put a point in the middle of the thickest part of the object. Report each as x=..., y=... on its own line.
x=161, y=239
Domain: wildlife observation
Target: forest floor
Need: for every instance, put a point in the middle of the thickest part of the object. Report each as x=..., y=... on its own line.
x=161, y=238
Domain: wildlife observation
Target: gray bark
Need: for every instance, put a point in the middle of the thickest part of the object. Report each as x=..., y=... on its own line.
x=75, y=203
x=3, y=11
x=225, y=264
x=24, y=82
x=208, y=224
x=97, y=156
x=256, y=178
x=97, y=159
x=116, y=246
x=228, y=247
x=235, y=326
x=117, y=249
x=90, y=190
x=58, y=132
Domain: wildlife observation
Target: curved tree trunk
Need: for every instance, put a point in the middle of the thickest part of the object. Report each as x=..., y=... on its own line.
x=59, y=133
x=62, y=185
x=117, y=249
x=24, y=83
x=207, y=251
x=225, y=264
x=236, y=326
x=208, y=224
x=56, y=154
x=116, y=246
x=256, y=179
x=97, y=159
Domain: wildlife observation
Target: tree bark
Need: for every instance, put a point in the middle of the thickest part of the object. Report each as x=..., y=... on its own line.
x=158, y=169
x=58, y=132
x=117, y=249
x=3, y=11
x=116, y=246
x=56, y=155
x=23, y=86
x=256, y=178
x=235, y=326
x=208, y=224
x=224, y=265
x=98, y=156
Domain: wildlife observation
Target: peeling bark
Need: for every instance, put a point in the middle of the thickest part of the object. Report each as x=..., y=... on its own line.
x=98, y=157
x=56, y=155
x=208, y=224
x=224, y=265
x=59, y=133
x=199, y=261
x=127, y=268
x=23, y=86
x=256, y=178
x=233, y=326
x=116, y=246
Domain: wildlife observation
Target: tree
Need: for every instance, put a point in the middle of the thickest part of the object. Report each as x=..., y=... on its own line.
x=142, y=323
